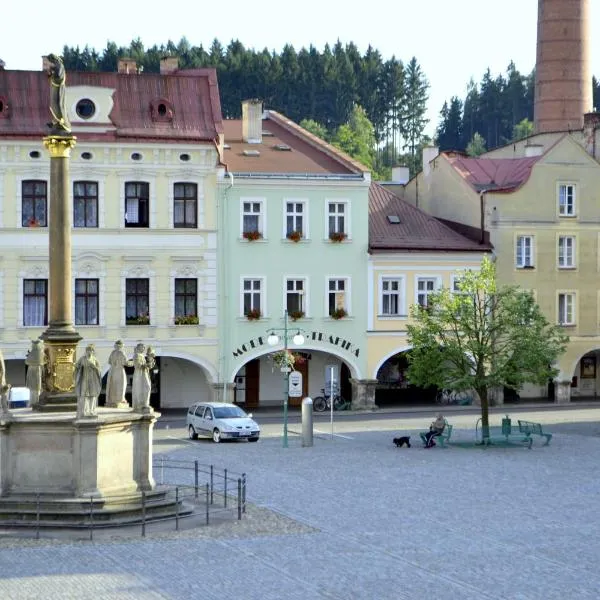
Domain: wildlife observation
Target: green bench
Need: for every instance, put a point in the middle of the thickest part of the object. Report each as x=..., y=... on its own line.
x=528, y=428
x=442, y=438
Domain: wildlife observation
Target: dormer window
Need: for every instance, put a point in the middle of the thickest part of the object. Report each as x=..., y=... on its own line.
x=161, y=110
x=85, y=109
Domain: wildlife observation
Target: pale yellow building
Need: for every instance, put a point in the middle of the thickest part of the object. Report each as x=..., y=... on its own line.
x=411, y=255
x=537, y=203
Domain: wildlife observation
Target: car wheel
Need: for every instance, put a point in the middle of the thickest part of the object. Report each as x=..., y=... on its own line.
x=216, y=436
x=192, y=433
x=253, y=439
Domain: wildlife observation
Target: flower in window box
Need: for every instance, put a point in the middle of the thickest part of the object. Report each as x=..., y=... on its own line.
x=252, y=235
x=253, y=314
x=337, y=236
x=339, y=313
x=296, y=314
x=33, y=223
x=186, y=320
x=294, y=236
x=139, y=320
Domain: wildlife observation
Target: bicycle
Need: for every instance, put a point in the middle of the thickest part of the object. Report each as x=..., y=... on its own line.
x=450, y=397
x=323, y=403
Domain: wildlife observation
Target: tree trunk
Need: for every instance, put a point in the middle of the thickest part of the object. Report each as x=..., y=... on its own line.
x=485, y=413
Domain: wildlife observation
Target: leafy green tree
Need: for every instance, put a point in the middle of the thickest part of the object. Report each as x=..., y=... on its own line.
x=476, y=147
x=357, y=137
x=314, y=128
x=481, y=338
x=522, y=130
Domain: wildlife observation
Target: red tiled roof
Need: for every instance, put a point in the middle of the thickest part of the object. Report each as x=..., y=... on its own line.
x=493, y=174
x=416, y=230
x=193, y=95
x=308, y=154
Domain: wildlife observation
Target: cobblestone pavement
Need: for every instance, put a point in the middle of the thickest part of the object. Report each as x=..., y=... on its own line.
x=353, y=517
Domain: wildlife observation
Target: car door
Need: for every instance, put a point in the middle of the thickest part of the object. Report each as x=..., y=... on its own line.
x=199, y=420
x=208, y=421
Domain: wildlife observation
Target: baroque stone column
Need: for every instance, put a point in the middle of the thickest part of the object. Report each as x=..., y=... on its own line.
x=363, y=394
x=60, y=339
x=562, y=392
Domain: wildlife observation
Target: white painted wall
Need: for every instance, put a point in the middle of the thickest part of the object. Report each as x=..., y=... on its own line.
x=182, y=383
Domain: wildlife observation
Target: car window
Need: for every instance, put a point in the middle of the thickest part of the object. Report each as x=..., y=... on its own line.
x=191, y=410
x=208, y=413
x=229, y=412
x=199, y=411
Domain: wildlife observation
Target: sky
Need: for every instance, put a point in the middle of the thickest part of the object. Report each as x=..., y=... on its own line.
x=452, y=41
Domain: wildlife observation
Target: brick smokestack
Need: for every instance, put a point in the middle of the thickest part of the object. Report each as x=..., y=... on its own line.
x=563, y=76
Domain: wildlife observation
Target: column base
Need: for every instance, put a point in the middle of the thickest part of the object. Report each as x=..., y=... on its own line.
x=223, y=395
x=363, y=394
x=562, y=392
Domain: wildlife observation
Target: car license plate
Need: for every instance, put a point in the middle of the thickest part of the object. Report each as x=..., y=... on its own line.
x=244, y=433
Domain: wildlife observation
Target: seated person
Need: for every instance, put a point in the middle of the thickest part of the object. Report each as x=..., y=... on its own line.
x=435, y=429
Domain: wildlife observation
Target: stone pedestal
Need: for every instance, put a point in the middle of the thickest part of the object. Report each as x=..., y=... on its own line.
x=59, y=464
x=562, y=392
x=223, y=395
x=363, y=394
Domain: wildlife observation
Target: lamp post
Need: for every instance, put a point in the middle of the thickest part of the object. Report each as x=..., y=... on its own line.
x=273, y=340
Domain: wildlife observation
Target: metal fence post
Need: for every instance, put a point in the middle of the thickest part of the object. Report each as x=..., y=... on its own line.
x=207, y=495
x=143, y=513
x=239, y=499
x=37, y=516
x=212, y=483
x=225, y=501
x=195, y=478
x=91, y=518
x=176, y=509
x=244, y=492
x=162, y=470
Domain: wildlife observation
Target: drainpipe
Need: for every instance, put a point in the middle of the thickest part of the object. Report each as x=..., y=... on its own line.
x=482, y=211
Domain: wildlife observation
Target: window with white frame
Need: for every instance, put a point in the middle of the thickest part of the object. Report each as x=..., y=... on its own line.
x=336, y=212
x=566, y=308
x=294, y=219
x=294, y=299
x=35, y=302
x=85, y=204
x=137, y=301
x=524, y=251
x=252, y=296
x=566, y=200
x=252, y=219
x=566, y=251
x=34, y=203
x=392, y=296
x=425, y=287
x=185, y=205
x=186, y=301
x=137, y=204
x=337, y=297
x=86, y=301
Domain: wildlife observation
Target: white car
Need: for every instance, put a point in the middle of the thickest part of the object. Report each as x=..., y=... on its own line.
x=221, y=421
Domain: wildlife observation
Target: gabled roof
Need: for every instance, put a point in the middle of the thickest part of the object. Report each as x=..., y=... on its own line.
x=416, y=229
x=286, y=148
x=492, y=174
x=193, y=96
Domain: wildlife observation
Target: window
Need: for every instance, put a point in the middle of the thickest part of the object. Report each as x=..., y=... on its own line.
x=425, y=287
x=85, y=108
x=294, y=300
x=186, y=298
x=86, y=302
x=137, y=301
x=252, y=292
x=34, y=204
x=251, y=218
x=391, y=296
x=566, y=252
x=294, y=219
x=35, y=302
x=336, y=296
x=566, y=200
x=337, y=217
x=185, y=206
x=524, y=252
x=566, y=309
x=85, y=204
x=137, y=200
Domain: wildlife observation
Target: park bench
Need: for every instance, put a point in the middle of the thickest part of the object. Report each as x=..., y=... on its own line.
x=528, y=428
x=442, y=438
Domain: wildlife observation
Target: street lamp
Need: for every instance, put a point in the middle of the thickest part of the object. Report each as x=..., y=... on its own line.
x=273, y=340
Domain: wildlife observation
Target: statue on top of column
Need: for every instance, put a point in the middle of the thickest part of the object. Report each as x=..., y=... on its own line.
x=60, y=124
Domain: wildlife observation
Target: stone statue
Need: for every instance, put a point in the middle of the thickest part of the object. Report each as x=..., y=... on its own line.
x=88, y=383
x=116, y=381
x=60, y=124
x=35, y=367
x=4, y=387
x=143, y=361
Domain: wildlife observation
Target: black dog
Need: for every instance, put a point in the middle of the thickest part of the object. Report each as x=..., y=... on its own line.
x=400, y=441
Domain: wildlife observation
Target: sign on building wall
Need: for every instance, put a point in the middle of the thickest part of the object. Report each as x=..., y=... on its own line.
x=295, y=385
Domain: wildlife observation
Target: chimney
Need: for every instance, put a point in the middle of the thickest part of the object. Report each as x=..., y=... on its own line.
x=429, y=153
x=400, y=175
x=563, y=76
x=252, y=121
x=169, y=64
x=591, y=131
x=127, y=66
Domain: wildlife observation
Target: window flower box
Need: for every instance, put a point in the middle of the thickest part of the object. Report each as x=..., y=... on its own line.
x=139, y=320
x=253, y=314
x=186, y=320
x=296, y=314
x=337, y=236
x=294, y=236
x=252, y=235
x=339, y=313
x=33, y=223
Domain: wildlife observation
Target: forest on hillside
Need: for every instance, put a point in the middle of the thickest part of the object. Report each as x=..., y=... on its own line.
x=364, y=103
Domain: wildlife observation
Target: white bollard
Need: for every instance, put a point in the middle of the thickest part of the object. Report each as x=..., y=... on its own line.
x=307, y=422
